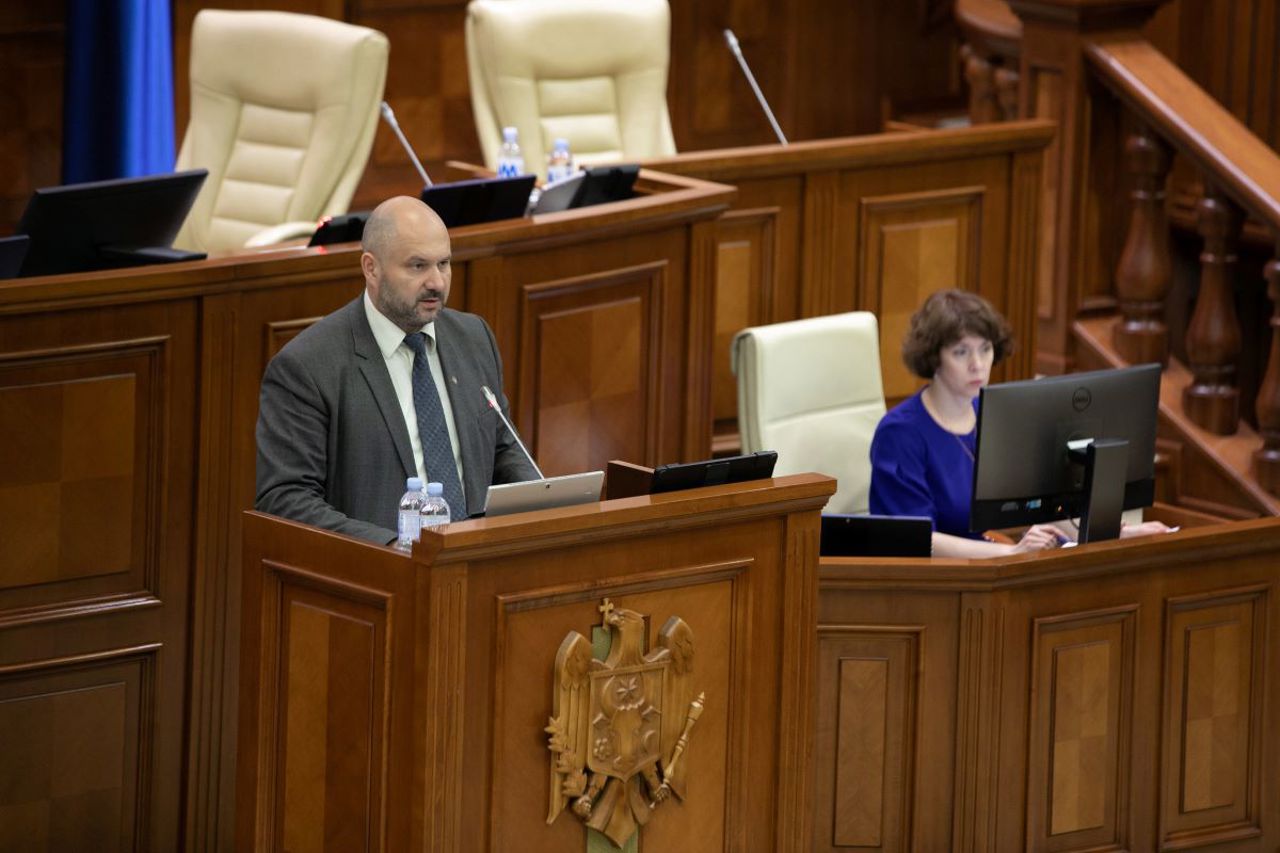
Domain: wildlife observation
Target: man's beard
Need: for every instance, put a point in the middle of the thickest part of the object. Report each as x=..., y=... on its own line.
x=404, y=313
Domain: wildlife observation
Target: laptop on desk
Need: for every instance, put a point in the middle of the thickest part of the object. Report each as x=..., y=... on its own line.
x=549, y=493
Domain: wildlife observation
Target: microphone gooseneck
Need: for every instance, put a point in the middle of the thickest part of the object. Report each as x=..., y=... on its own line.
x=493, y=404
x=732, y=40
x=390, y=118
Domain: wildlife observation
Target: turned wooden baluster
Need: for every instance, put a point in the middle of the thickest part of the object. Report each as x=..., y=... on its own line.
x=1145, y=269
x=1213, y=336
x=983, y=107
x=1007, y=92
x=1266, y=459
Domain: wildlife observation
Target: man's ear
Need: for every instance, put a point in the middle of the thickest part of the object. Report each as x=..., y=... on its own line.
x=369, y=266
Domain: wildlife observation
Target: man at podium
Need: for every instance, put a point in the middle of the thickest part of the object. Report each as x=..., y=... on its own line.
x=389, y=386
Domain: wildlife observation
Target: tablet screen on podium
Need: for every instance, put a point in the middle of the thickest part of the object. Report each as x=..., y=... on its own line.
x=552, y=492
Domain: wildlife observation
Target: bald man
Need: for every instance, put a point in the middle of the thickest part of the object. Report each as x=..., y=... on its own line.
x=385, y=388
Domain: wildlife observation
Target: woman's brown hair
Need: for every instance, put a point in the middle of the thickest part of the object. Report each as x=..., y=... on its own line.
x=946, y=317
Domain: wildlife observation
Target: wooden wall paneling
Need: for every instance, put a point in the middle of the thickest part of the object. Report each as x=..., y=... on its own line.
x=820, y=287
x=702, y=277
x=1212, y=719
x=1081, y=718
x=910, y=245
x=31, y=68
x=1023, y=272
x=980, y=718
x=743, y=296
x=77, y=734
x=97, y=461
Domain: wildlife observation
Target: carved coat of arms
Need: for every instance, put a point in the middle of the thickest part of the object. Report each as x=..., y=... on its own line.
x=621, y=724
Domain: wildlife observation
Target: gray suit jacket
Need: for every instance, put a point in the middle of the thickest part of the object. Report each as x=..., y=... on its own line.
x=333, y=448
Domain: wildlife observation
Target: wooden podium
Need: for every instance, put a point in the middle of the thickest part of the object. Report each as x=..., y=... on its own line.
x=398, y=702
x=1118, y=696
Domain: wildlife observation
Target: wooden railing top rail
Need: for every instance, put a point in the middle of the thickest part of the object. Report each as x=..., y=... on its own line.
x=858, y=152
x=990, y=24
x=1190, y=119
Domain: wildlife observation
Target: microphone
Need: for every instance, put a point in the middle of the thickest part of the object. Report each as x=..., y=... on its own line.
x=732, y=40
x=390, y=118
x=493, y=404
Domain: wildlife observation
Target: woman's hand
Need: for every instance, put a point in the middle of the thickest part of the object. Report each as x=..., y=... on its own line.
x=1039, y=537
x=1146, y=528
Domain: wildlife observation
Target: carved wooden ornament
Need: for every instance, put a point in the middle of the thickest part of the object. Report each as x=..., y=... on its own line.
x=619, y=721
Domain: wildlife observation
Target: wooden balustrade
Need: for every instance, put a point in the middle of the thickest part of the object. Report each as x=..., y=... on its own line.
x=989, y=57
x=1145, y=270
x=1266, y=459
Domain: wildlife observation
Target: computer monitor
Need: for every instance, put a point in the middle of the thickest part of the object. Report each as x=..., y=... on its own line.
x=105, y=224
x=479, y=200
x=1082, y=445
x=13, y=250
x=713, y=472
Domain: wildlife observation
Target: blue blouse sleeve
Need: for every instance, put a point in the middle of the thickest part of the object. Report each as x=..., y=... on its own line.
x=898, y=483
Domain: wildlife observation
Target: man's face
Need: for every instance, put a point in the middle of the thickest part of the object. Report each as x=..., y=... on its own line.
x=409, y=283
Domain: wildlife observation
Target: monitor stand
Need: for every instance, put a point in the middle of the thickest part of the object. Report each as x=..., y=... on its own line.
x=1105, y=462
x=137, y=256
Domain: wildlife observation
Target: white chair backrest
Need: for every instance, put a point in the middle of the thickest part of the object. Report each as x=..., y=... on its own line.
x=283, y=112
x=811, y=390
x=590, y=71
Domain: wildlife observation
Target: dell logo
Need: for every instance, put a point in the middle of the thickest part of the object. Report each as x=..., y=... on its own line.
x=1081, y=399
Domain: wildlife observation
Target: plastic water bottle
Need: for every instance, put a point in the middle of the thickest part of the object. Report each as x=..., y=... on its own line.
x=410, y=519
x=510, y=160
x=435, y=509
x=559, y=162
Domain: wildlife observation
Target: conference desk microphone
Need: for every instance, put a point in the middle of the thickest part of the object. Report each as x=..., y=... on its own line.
x=732, y=40
x=390, y=118
x=493, y=404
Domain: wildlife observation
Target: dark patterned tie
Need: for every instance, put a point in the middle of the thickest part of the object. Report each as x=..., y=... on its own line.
x=437, y=450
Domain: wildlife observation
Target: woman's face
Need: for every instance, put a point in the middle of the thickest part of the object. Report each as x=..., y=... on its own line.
x=964, y=366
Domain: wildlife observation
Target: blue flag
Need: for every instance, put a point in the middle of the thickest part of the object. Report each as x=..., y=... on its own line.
x=118, y=104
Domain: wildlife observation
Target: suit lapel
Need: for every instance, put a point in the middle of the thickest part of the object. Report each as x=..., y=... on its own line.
x=465, y=398
x=374, y=369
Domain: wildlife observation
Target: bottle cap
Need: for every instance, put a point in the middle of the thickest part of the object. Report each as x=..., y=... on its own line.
x=510, y=134
x=435, y=490
x=413, y=484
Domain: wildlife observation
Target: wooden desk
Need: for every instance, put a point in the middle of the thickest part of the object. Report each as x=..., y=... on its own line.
x=1118, y=696
x=127, y=408
x=877, y=223
x=398, y=703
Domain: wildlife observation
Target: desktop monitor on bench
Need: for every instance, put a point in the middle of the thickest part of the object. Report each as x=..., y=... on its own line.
x=1066, y=446
x=107, y=224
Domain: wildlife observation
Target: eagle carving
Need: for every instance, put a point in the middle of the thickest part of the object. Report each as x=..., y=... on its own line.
x=621, y=724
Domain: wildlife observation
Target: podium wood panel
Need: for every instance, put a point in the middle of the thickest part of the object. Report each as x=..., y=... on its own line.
x=1117, y=696
x=402, y=700
x=127, y=408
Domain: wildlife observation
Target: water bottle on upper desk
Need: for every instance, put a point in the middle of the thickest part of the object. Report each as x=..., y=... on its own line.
x=510, y=160
x=435, y=509
x=559, y=162
x=410, y=519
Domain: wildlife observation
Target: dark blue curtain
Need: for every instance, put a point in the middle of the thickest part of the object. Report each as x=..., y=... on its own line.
x=118, y=103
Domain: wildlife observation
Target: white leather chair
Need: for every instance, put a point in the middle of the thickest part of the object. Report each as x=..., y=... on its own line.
x=283, y=112
x=591, y=71
x=811, y=390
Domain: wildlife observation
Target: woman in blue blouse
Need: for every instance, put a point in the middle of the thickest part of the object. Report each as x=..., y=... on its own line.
x=923, y=451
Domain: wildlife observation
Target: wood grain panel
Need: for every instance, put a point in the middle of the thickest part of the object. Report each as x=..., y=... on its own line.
x=333, y=657
x=1214, y=653
x=1078, y=769
x=589, y=366
x=743, y=296
x=75, y=736
x=867, y=729
x=81, y=446
x=1046, y=86
x=531, y=625
x=911, y=245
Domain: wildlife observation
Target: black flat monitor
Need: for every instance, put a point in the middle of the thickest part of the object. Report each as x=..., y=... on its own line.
x=345, y=228
x=713, y=472
x=603, y=184
x=875, y=536
x=12, y=252
x=1081, y=445
x=479, y=200
x=108, y=224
